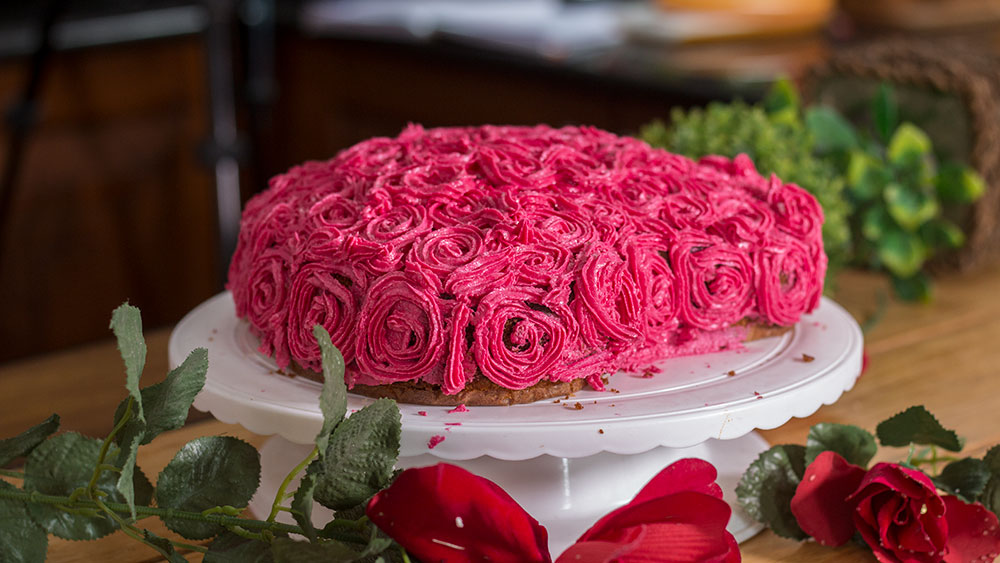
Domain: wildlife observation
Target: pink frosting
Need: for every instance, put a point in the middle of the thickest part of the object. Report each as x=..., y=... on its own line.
x=520, y=254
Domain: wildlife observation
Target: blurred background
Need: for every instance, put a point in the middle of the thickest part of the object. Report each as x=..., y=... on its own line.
x=133, y=130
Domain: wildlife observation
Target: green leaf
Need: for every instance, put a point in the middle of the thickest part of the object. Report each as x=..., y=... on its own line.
x=903, y=254
x=886, y=111
x=765, y=491
x=302, y=504
x=333, y=397
x=22, y=444
x=991, y=495
x=360, y=457
x=992, y=460
x=782, y=100
x=875, y=222
x=164, y=546
x=207, y=472
x=21, y=540
x=230, y=548
x=126, y=462
x=166, y=404
x=126, y=323
x=909, y=145
x=916, y=425
x=64, y=463
x=965, y=478
x=910, y=208
x=287, y=550
x=854, y=444
x=958, y=184
x=866, y=176
x=916, y=288
x=832, y=132
x=941, y=233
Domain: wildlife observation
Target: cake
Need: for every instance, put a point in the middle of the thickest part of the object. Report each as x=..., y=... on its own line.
x=496, y=265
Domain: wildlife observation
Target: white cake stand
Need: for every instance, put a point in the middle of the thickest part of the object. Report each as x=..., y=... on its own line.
x=567, y=466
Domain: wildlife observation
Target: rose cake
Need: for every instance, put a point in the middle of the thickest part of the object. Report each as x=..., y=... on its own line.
x=496, y=265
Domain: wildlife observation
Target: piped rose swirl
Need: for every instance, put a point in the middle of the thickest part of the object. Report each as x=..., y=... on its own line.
x=519, y=254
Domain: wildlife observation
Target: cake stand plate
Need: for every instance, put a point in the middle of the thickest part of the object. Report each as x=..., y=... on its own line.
x=567, y=461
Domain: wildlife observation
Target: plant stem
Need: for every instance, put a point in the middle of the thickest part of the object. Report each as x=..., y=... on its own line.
x=99, y=467
x=220, y=519
x=406, y=557
x=280, y=495
x=12, y=473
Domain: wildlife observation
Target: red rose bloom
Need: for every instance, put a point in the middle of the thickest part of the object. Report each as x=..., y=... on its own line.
x=679, y=516
x=900, y=515
x=445, y=514
x=820, y=503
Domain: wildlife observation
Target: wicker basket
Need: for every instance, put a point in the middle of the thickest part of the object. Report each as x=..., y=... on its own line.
x=951, y=90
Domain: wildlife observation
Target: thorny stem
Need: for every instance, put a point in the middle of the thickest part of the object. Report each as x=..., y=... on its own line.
x=100, y=466
x=280, y=495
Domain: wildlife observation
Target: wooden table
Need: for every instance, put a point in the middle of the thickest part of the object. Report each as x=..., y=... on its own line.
x=944, y=355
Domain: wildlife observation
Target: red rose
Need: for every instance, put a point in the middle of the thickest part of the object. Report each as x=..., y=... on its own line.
x=820, y=503
x=679, y=516
x=443, y=513
x=900, y=515
x=973, y=532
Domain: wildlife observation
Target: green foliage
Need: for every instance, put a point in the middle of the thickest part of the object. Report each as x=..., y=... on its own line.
x=916, y=425
x=360, y=456
x=207, y=472
x=854, y=444
x=22, y=444
x=778, y=143
x=21, y=539
x=765, y=491
x=965, y=478
x=60, y=466
x=82, y=488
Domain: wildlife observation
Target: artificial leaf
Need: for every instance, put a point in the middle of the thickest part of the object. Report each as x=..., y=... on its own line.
x=886, y=111
x=958, y=184
x=992, y=460
x=831, y=131
x=941, y=233
x=866, y=177
x=230, y=548
x=766, y=489
x=302, y=503
x=964, y=478
x=854, y=444
x=164, y=546
x=287, y=550
x=166, y=404
x=908, y=145
x=916, y=288
x=910, y=208
x=22, y=444
x=126, y=463
x=333, y=397
x=782, y=101
x=360, y=456
x=377, y=542
x=902, y=253
x=21, y=540
x=64, y=463
x=991, y=494
x=126, y=323
x=207, y=472
x=916, y=425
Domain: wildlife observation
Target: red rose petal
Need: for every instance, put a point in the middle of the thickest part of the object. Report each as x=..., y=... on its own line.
x=444, y=513
x=685, y=507
x=820, y=503
x=690, y=474
x=973, y=532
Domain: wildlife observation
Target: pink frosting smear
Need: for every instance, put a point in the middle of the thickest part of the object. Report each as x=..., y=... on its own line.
x=520, y=254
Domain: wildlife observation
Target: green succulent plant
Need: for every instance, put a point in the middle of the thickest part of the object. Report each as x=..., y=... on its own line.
x=900, y=194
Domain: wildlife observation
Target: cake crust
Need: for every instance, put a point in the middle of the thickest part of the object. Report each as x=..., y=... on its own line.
x=483, y=392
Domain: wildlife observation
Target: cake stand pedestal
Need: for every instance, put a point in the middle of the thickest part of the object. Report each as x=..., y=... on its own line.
x=568, y=462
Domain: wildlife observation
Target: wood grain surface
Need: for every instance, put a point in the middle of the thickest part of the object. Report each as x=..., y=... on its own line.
x=944, y=355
